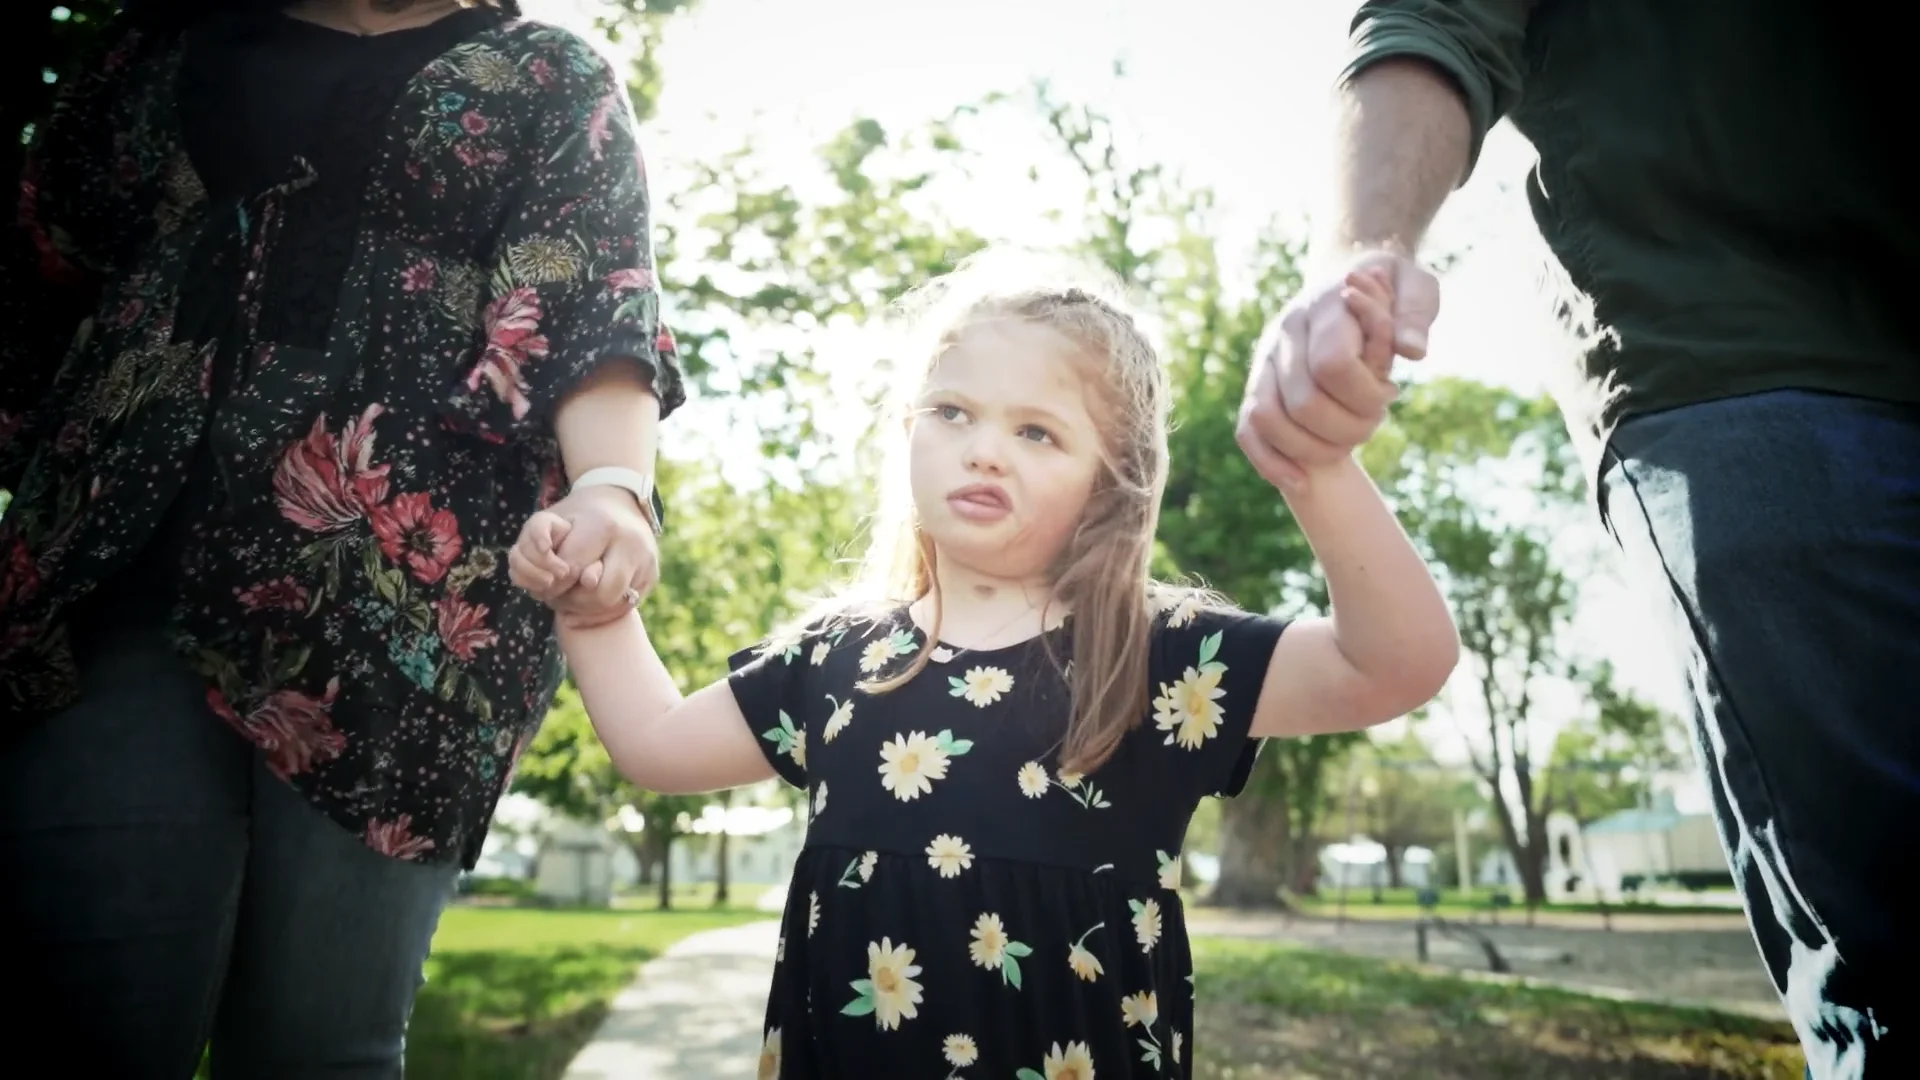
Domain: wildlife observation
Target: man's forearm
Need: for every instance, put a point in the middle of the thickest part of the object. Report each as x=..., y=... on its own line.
x=612, y=419
x=1402, y=137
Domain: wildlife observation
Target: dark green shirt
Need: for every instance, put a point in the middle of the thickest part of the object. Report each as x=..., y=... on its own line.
x=1717, y=182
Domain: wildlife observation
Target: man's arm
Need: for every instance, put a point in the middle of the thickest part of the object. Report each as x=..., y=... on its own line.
x=1425, y=81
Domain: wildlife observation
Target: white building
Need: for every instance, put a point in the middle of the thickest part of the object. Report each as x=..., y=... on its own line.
x=575, y=864
x=762, y=844
x=1362, y=864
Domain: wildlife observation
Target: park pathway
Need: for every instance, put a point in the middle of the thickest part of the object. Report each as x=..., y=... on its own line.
x=693, y=1014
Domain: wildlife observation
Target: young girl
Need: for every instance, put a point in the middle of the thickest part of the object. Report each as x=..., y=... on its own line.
x=1004, y=737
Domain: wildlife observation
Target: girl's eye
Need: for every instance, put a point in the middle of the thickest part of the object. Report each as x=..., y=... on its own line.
x=949, y=413
x=1037, y=434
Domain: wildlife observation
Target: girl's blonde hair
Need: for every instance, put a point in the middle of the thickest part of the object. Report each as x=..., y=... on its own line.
x=1102, y=575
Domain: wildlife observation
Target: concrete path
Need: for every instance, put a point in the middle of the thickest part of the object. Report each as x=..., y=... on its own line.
x=693, y=1014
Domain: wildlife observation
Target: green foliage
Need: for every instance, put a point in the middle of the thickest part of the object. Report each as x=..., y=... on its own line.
x=1308, y=1012
x=514, y=994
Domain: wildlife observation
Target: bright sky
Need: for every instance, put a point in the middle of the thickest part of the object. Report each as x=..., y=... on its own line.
x=1230, y=93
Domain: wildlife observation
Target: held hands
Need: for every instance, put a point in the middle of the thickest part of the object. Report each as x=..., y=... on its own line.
x=1320, y=381
x=591, y=557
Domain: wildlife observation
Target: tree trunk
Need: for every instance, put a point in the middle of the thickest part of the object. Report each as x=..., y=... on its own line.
x=1394, y=853
x=1533, y=866
x=1253, y=853
x=721, y=872
x=663, y=840
x=643, y=853
x=1303, y=868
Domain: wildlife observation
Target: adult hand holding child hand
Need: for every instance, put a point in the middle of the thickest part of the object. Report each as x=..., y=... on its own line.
x=1320, y=381
x=592, y=557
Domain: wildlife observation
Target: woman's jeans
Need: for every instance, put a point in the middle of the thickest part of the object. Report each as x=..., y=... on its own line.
x=1779, y=534
x=160, y=888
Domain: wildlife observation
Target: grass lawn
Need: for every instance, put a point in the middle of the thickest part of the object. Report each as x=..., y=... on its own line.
x=1279, y=1012
x=513, y=993
x=1403, y=904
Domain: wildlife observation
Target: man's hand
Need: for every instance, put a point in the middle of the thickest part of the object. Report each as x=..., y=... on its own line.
x=1311, y=394
x=591, y=556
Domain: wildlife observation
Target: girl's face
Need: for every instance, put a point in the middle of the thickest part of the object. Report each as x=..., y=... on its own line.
x=1004, y=451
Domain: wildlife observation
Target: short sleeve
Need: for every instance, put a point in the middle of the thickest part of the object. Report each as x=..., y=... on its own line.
x=572, y=284
x=1478, y=43
x=765, y=680
x=1207, y=667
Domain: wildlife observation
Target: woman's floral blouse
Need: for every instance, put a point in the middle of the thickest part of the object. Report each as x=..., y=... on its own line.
x=963, y=907
x=373, y=348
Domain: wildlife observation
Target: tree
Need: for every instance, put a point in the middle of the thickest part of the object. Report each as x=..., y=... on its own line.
x=1411, y=798
x=1488, y=484
x=1606, y=762
x=1220, y=523
x=751, y=263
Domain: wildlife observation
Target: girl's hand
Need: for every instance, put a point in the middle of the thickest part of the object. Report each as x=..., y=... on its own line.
x=534, y=562
x=1369, y=298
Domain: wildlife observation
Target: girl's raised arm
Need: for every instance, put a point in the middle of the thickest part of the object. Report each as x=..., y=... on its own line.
x=660, y=740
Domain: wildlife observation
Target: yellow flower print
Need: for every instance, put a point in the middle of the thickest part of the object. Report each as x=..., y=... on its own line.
x=1073, y=1062
x=813, y=913
x=1177, y=1040
x=785, y=645
x=1087, y=795
x=1189, y=710
x=860, y=868
x=820, y=799
x=993, y=950
x=909, y=764
x=889, y=991
x=820, y=651
x=1081, y=959
x=989, y=946
x=1169, y=869
x=769, y=1056
x=842, y=716
x=949, y=855
x=1146, y=923
x=1140, y=1010
x=1184, y=611
x=960, y=1051
x=1033, y=780
x=880, y=650
x=788, y=739
x=981, y=686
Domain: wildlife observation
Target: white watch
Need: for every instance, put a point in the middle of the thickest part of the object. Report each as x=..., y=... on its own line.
x=637, y=483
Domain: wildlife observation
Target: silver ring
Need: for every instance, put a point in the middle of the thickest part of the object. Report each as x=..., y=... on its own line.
x=631, y=597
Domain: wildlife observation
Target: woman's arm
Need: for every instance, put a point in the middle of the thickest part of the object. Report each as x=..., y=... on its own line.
x=657, y=738
x=610, y=419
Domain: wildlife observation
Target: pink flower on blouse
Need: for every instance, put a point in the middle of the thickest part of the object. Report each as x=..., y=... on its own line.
x=325, y=483
x=513, y=338
x=415, y=535
x=463, y=627
x=285, y=594
x=631, y=278
x=419, y=277
x=295, y=729
x=395, y=838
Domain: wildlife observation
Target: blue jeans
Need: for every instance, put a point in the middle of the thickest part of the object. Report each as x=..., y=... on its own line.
x=1780, y=534
x=161, y=888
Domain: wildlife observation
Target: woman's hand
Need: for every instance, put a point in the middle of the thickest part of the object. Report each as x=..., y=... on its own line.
x=591, y=557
